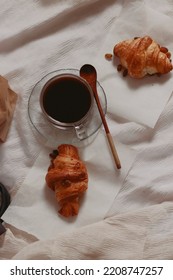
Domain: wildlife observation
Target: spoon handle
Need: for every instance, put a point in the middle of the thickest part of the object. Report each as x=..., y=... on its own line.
x=89, y=73
x=101, y=111
x=114, y=151
x=108, y=134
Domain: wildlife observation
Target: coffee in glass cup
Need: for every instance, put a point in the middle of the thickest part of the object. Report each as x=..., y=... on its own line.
x=66, y=101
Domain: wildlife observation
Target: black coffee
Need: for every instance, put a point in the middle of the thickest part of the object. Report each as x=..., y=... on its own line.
x=66, y=99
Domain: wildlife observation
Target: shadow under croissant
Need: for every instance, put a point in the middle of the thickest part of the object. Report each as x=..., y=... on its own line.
x=147, y=80
x=134, y=83
x=53, y=203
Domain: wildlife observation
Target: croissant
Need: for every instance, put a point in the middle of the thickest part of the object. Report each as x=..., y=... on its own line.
x=67, y=177
x=142, y=56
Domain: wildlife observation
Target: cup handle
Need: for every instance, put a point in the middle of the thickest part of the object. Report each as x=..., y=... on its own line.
x=80, y=131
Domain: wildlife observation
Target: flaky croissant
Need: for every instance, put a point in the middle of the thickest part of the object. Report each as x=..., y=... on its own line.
x=142, y=56
x=67, y=176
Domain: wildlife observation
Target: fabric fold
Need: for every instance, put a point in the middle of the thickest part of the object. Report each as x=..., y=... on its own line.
x=119, y=237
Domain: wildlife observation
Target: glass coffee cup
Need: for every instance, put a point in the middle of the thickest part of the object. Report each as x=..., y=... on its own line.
x=67, y=101
x=53, y=130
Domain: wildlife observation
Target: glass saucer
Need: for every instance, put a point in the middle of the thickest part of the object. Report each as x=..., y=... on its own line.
x=52, y=135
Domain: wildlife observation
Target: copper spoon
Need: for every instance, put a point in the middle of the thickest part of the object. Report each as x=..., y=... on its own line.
x=88, y=72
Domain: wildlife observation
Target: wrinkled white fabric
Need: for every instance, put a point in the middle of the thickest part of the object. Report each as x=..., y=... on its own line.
x=119, y=237
x=69, y=33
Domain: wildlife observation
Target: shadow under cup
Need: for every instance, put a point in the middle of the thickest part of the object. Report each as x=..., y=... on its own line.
x=66, y=101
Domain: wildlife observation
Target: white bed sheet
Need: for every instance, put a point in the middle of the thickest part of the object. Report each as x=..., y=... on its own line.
x=38, y=37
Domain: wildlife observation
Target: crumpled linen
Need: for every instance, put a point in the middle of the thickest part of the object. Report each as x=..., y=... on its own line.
x=120, y=237
x=146, y=195
x=8, y=99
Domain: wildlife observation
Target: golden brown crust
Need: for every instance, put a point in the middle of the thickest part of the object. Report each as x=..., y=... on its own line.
x=67, y=176
x=142, y=56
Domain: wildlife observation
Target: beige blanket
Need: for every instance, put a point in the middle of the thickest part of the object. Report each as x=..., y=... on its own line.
x=8, y=100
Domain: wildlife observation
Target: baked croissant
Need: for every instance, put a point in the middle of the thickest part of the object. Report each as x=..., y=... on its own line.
x=67, y=176
x=142, y=56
